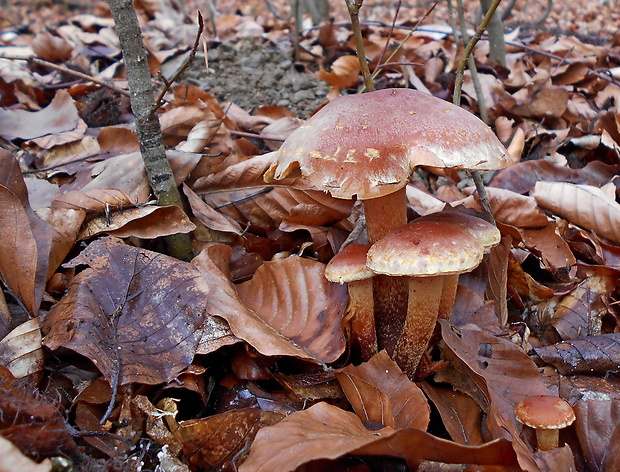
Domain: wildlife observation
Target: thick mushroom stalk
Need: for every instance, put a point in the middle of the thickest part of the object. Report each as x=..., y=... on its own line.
x=425, y=252
x=349, y=266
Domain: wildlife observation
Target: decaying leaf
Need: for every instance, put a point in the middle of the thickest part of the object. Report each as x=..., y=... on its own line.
x=135, y=314
x=21, y=350
x=592, y=355
x=365, y=385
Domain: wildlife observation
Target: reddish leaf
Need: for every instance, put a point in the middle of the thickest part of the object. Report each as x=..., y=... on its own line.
x=219, y=441
x=406, y=405
x=327, y=432
x=19, y=255
x=134, y=313
x=583, y=205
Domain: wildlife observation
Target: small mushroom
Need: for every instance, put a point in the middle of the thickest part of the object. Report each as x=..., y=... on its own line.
x=349, y=266
x=547, y=414
x=425, y=252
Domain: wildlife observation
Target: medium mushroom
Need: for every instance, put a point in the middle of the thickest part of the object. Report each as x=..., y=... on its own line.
x=425, y=252
x=485, y=233
x=547, y=414
x=368, y=146
x=349, y=266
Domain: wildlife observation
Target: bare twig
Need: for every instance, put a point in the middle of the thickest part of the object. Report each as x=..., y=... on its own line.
x=168, y=82
x=482, y=193
x=354, y=9
x=66, y=70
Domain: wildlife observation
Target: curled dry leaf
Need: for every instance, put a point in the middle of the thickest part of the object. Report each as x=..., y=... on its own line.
x=220, y=441
x=287, y=309
x=407, y=407
x=324, y=431
x=135, y=314
x=209, y=217
x=145, y=222
x=583, y=205
x=18, y=258
x=592, y=355
x=64, y=225
x=56, y=124
x=292, y=297
x=21, y=350
x=510, y=208
x=344, y=72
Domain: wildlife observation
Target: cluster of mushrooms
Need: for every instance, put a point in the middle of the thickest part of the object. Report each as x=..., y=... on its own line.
x=367, y=147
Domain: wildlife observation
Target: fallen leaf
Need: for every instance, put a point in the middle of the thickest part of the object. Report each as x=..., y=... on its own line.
x=583, y=205
x=135, y=314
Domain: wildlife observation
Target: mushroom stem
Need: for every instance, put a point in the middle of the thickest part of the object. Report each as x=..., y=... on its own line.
x=547, y=439
x=384, y=214
x=423, y=306
x=448, y=295
x=361, y=311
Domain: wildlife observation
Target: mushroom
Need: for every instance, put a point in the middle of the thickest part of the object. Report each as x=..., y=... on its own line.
x=547, y=414
x=486, y=233
x=368, y=146
x=349, y=266
x=425, y=252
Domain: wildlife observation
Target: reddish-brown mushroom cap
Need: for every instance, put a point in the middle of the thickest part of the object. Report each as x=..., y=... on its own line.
x=486, y=233
x=425, y=249
x=426, y=252
x=368, y=145
x=546, y=414
x=349, y=266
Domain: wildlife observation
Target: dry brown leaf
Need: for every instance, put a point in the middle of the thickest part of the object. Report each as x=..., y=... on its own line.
x=598, y=430
x=583, y=205
x=510, y=208
x=327, y=432
x=134, y=313
x=145, y=222
x=592, y=355
x=406, y=406
x=220, y=441
x=209, y=217
x=56, y=124
x=273, y=312
x=292, y=297
x=344, y=72
x=21, y=350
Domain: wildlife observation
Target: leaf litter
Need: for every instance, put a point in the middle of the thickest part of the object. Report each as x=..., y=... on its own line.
x=112, y=352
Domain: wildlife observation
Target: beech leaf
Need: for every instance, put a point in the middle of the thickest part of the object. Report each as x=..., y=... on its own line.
x=324, y=431
x=592, y=355
x=134, y=313
x=583, y=205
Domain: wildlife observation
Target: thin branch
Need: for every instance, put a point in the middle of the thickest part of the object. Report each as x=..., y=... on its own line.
x=159, y=101
x=354, y=9
x=68, y=71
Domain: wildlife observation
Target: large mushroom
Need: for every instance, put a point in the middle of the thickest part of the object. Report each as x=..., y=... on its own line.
x=368, y=146
x=425, y=252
